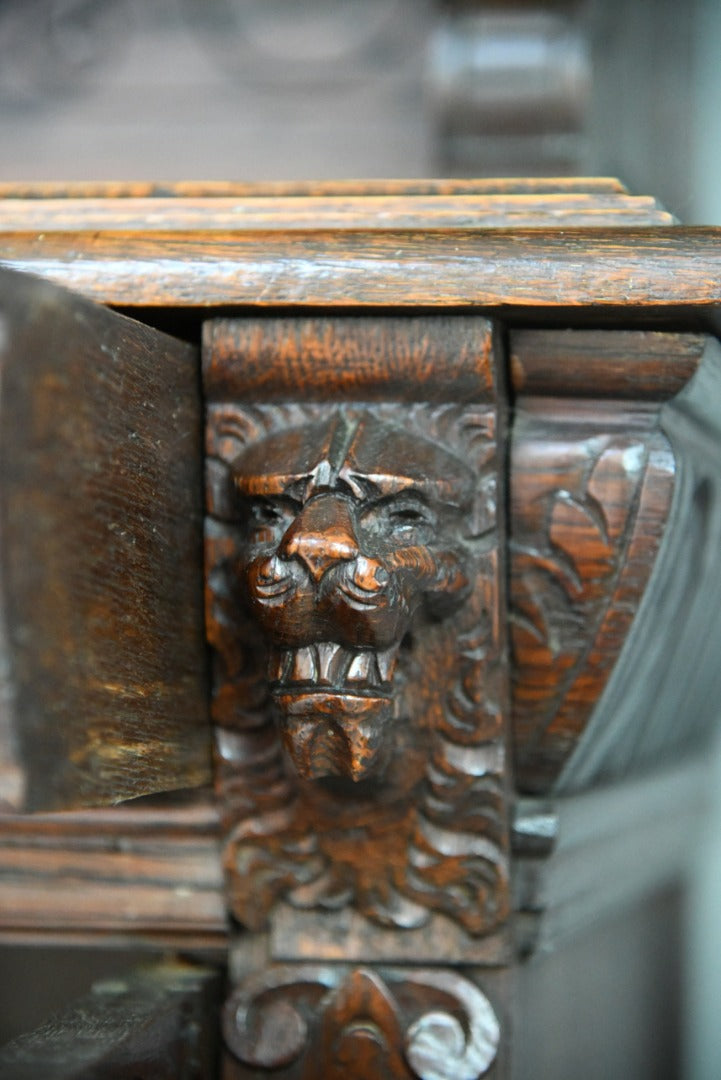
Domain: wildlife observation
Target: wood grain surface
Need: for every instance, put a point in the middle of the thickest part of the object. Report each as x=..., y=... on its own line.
x=620, y=270
x=359, y=359
x=101, y=515
x=617, y=364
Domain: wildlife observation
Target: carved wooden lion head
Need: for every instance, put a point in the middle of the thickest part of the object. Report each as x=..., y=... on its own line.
x=350, y=535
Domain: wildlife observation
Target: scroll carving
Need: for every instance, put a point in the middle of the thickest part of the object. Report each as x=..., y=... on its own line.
x=339, y=1023
x=353, y=610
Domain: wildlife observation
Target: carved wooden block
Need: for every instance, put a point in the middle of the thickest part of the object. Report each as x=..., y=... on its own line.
x=355, y=612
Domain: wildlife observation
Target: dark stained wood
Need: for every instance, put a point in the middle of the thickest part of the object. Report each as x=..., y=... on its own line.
x=591, y=485
x=334, y=212
x=127, y=876
x=305, y=1021
x=623, y=269
x=158, y=1023
x=354, y=601
x=368, y=359
x=101, y=530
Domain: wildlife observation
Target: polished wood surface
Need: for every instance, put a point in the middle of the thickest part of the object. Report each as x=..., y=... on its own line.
x=363, y=359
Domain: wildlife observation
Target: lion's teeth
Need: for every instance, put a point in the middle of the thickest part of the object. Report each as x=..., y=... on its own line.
x=305, y=665
x=328, y=657
x=359, y=669
x=387, y=663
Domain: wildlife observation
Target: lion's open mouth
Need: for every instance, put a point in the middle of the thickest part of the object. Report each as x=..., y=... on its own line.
x=329, y=666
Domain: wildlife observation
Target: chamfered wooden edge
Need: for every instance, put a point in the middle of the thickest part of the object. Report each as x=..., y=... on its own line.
x=101, y=509
x=621, y=269
x=414, y=358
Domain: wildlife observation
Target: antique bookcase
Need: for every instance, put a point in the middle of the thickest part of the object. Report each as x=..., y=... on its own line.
x=360, y=583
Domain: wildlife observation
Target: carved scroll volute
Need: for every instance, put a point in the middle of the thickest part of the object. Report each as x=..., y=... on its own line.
x=354, y=608
x=307, y=1021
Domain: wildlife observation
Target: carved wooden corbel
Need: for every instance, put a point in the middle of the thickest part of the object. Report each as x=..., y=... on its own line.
x=355, y=596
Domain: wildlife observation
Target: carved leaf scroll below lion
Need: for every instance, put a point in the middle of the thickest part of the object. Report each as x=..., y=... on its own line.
x=353, y=609
x=361, y=1023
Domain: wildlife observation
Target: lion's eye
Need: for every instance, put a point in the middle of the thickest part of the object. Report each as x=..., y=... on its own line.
x=407, y=519
x=265, y=519
x=408, y=516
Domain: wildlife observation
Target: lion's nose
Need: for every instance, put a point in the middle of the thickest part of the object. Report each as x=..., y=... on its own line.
x=321, y=536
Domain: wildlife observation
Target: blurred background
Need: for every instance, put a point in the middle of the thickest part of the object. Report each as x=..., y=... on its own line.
x=281, y=89
x=286, y=89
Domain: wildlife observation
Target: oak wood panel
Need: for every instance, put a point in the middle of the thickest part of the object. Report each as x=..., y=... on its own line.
x=619, y=269
x=126, y=875
x=334, y=212
x=100, y=506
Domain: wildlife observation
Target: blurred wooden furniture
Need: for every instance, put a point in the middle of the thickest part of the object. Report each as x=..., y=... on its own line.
x=462, y=437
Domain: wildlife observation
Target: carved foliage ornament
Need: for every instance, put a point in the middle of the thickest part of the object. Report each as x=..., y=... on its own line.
x=352, y=569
